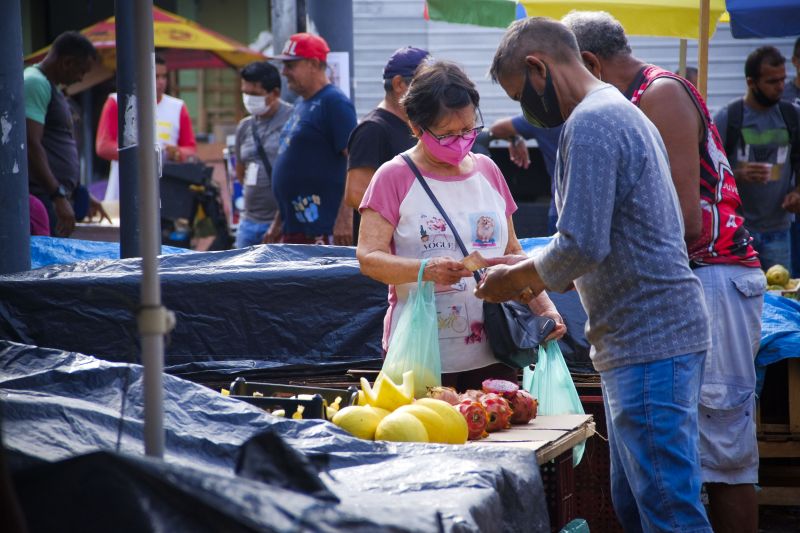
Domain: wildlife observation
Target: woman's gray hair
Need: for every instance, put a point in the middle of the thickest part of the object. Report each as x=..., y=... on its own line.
x=598, y=32
x=534, y=34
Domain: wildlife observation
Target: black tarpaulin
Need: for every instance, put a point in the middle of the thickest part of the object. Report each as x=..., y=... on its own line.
x=286, y=303
x=73, y=432
x=281, y=304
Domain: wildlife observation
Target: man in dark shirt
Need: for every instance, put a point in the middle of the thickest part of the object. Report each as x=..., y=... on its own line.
x=384, y=132
x=53, y=163
x=308, y=174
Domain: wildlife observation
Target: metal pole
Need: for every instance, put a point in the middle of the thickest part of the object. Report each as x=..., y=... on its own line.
x=702, y=49
x=15, y=243
x=86, y=137
x=682, y=58
x=333, y=20
x=126, y=120
x=153, y=319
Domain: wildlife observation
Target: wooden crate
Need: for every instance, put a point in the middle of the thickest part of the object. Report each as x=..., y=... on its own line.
x=778, y=428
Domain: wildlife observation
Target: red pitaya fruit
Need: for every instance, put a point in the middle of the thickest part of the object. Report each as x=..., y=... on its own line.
x=524, y=407
x=476, y=417
x=504, y=388
x=498, y=410
x=472, y=395
x=447, y=394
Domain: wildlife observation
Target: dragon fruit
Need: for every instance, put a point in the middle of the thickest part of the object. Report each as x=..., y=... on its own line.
x=472, y=395
x=524, y=407
x=447, y=394
x=476, y=417
x=504, y=388
x=498, y=410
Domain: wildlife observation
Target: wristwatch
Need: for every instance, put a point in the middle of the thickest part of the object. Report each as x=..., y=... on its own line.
x=61, y=192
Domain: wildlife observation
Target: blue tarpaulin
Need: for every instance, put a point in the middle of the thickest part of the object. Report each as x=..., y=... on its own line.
x=764, y=18
x=780, y=334
x=56, y=251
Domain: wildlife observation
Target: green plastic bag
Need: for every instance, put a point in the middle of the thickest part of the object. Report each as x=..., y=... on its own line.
x=551, y=384
x=415, y=342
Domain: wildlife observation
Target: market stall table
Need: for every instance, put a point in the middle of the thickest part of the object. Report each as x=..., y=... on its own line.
x=552, y=437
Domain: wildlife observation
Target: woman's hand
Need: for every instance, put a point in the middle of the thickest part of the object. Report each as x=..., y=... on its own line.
x=445, y=271
x=560, y=330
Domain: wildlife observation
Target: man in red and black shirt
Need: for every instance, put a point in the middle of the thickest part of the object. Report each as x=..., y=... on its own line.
x=720, y=252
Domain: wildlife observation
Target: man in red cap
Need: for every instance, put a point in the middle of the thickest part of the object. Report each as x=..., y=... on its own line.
x=309, y=173
x=383, y=132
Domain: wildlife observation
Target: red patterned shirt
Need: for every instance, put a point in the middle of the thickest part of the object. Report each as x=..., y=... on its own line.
x=724, y=239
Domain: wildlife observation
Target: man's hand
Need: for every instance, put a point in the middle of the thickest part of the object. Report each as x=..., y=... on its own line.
x=96, y=208
x=518, y=152
x=343, y=227
x=445, y=271
x=792, y=202
x=512, y=259
x=273, y=234
x=173, y=153
x=65, y=215
x=502, y=283
x=754, y=172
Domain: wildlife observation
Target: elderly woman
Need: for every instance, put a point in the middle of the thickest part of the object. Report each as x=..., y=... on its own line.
x=401, y=226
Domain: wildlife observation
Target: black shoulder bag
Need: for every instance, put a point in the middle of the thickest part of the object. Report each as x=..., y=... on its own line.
x=261, y=152
x=514, y=332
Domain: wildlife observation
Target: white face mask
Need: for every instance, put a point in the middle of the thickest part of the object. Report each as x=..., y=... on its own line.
x=256, y=105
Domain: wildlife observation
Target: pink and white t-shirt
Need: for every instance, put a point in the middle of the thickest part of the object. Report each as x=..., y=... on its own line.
x=479, y=204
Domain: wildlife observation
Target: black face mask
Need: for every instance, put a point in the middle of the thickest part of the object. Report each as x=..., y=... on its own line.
x=762, y=98
x=543, y=110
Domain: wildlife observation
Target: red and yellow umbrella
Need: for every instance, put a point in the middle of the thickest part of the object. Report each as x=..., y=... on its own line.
x=183, y=44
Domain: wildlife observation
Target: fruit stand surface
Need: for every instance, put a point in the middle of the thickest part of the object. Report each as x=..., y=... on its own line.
x=549, y=436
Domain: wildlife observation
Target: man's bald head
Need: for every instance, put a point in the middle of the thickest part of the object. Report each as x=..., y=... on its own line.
x=531, y=35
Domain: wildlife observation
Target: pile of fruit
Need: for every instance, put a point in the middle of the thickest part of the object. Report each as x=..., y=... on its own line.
x=388, y=411
x=778, y=279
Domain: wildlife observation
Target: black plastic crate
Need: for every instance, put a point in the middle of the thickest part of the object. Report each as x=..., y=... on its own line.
x=279, y=396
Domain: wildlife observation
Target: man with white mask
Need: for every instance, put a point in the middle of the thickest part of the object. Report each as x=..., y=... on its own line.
x=257, y=141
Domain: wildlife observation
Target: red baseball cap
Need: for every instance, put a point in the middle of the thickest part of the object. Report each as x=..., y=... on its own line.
x=304, y=46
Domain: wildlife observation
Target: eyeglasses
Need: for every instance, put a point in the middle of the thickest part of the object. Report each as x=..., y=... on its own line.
x=447, y=140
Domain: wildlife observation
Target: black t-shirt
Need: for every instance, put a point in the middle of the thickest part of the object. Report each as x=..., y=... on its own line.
x=380, y=136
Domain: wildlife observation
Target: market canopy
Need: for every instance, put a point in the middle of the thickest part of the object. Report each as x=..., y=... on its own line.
x=181, y=42
x=764, y=18
x=657, y=18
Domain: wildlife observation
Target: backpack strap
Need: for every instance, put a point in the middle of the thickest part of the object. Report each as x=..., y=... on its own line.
x=789, y=114
x=734, y=130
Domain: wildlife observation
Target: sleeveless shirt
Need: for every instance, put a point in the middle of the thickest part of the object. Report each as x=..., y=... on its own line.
x=724, y=239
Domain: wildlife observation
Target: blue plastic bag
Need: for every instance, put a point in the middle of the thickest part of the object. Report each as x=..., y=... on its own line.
x=415, y=341
x=552, y=386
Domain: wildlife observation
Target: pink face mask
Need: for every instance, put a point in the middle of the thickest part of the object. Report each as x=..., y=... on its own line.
x=452, y=149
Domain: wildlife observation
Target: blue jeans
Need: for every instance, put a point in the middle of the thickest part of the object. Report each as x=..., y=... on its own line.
x=773, y=247
x=249, y=233
x=651, y=415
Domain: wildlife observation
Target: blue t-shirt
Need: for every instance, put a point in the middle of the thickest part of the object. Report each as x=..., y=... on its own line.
x=546, y=138
x=309, y=173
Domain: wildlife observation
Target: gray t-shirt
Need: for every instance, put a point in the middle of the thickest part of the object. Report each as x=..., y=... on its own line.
x=620, y=237
x=259, y=203
x=791, y=92
x=764, y=139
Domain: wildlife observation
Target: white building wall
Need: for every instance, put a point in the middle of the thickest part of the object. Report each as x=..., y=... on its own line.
x=382, y=26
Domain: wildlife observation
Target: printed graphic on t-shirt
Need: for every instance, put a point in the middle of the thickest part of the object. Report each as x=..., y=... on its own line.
x=483, y=230
x=453, y=320
x=306, y=209
x=287, y=131
x=434, y=234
